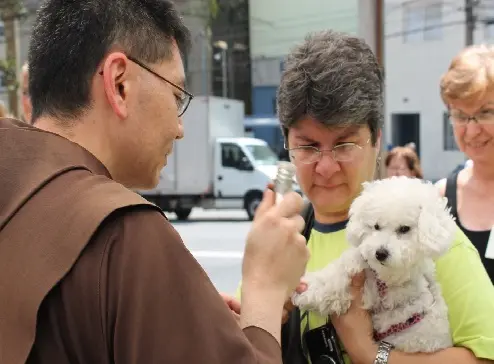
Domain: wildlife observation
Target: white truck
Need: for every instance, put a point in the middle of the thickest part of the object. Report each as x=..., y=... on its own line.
x=215, y=166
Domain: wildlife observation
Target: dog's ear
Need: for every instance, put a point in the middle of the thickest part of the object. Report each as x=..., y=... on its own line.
x=354, y=229
x=436, y=227
x=354, y=232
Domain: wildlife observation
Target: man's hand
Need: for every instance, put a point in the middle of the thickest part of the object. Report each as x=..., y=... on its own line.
x=276, y=253
x=288, y=307
x=233, y=304
x=274, y=261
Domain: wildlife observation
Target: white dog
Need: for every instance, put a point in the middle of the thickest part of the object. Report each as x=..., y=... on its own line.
x=397, y=227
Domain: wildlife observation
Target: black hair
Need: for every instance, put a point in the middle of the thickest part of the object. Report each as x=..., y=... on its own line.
x=71, y=37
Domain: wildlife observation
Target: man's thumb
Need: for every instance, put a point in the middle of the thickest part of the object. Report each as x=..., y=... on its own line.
x=268, y=201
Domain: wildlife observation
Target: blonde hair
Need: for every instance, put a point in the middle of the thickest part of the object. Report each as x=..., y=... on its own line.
x=470, y=75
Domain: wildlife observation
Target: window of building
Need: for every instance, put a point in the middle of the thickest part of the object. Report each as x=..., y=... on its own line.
x=422, y=21
x=433, y=19
x=413, y=23
x=485, y=13
x=489, y=29
x=449, y=142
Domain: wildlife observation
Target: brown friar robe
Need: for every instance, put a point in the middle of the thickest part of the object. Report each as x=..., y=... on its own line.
x=91, y=273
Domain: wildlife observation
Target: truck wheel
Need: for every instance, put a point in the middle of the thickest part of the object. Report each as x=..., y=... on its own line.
x=182, y=213
x=252, y=201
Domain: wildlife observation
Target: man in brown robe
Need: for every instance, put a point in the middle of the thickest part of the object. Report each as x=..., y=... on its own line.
x=89, y=271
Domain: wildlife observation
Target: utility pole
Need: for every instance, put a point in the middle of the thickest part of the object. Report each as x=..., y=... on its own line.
x=470, y=20
x=379, y=46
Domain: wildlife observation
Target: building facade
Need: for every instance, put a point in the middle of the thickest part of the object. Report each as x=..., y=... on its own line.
x=277, y=25
x=23, y=30
x=421, y=39
x=197, y=62
x=230, y=58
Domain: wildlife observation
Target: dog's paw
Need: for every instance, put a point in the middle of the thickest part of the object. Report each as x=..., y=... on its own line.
x=339, y=306
x=310, y=298
x=352, y=262
x=326, y=294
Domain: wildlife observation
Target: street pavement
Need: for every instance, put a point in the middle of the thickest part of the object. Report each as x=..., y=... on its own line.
x=217, y=239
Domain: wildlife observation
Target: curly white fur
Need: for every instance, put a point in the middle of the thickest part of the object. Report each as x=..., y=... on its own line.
x=397, y=227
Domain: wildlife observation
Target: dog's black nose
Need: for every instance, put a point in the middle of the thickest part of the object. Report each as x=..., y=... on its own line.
x=382, y=254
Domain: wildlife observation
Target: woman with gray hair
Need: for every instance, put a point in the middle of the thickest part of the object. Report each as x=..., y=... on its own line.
x=330, y=105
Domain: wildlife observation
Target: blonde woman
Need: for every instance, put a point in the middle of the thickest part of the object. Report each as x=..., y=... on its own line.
x=467, y=89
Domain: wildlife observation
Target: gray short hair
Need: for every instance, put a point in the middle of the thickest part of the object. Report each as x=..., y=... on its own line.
x=334, y=78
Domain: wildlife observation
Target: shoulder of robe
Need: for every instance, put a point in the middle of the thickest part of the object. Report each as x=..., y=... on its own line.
x=47, y=234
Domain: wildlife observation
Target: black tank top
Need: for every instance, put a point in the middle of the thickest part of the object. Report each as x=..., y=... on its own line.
x=478, y=238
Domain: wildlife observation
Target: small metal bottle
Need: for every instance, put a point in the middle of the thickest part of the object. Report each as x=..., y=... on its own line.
x=283, y=182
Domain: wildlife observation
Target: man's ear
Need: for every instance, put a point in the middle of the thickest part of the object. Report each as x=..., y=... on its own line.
x=115, y=75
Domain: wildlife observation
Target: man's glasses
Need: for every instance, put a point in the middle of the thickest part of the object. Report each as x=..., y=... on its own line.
x=182, y=102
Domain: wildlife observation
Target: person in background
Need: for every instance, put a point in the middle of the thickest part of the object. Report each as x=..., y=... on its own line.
x=403, y=161
x=3, y=110
x=330, y=105
x=467, y=90
x=26, y=98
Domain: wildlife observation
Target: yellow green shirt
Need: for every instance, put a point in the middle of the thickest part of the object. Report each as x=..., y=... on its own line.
x=466, y=287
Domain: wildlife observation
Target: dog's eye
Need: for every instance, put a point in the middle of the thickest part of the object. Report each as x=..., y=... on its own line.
x=377, y=227
x=403, y=229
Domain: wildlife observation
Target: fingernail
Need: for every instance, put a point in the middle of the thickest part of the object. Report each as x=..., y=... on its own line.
x=302, y=287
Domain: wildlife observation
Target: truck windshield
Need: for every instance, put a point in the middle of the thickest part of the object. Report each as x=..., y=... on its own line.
x=262, y=154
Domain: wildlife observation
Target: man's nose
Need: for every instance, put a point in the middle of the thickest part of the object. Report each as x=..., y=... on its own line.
x=180, y=132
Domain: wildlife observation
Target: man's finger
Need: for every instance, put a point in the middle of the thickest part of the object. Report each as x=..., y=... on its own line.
x=232, y=303
x=284, y=317
x=301, y=288
x=268, y=201
x=288, y=306
x=234, y=306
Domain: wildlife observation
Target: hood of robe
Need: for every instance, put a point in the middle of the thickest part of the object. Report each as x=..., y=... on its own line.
x=30, y=158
